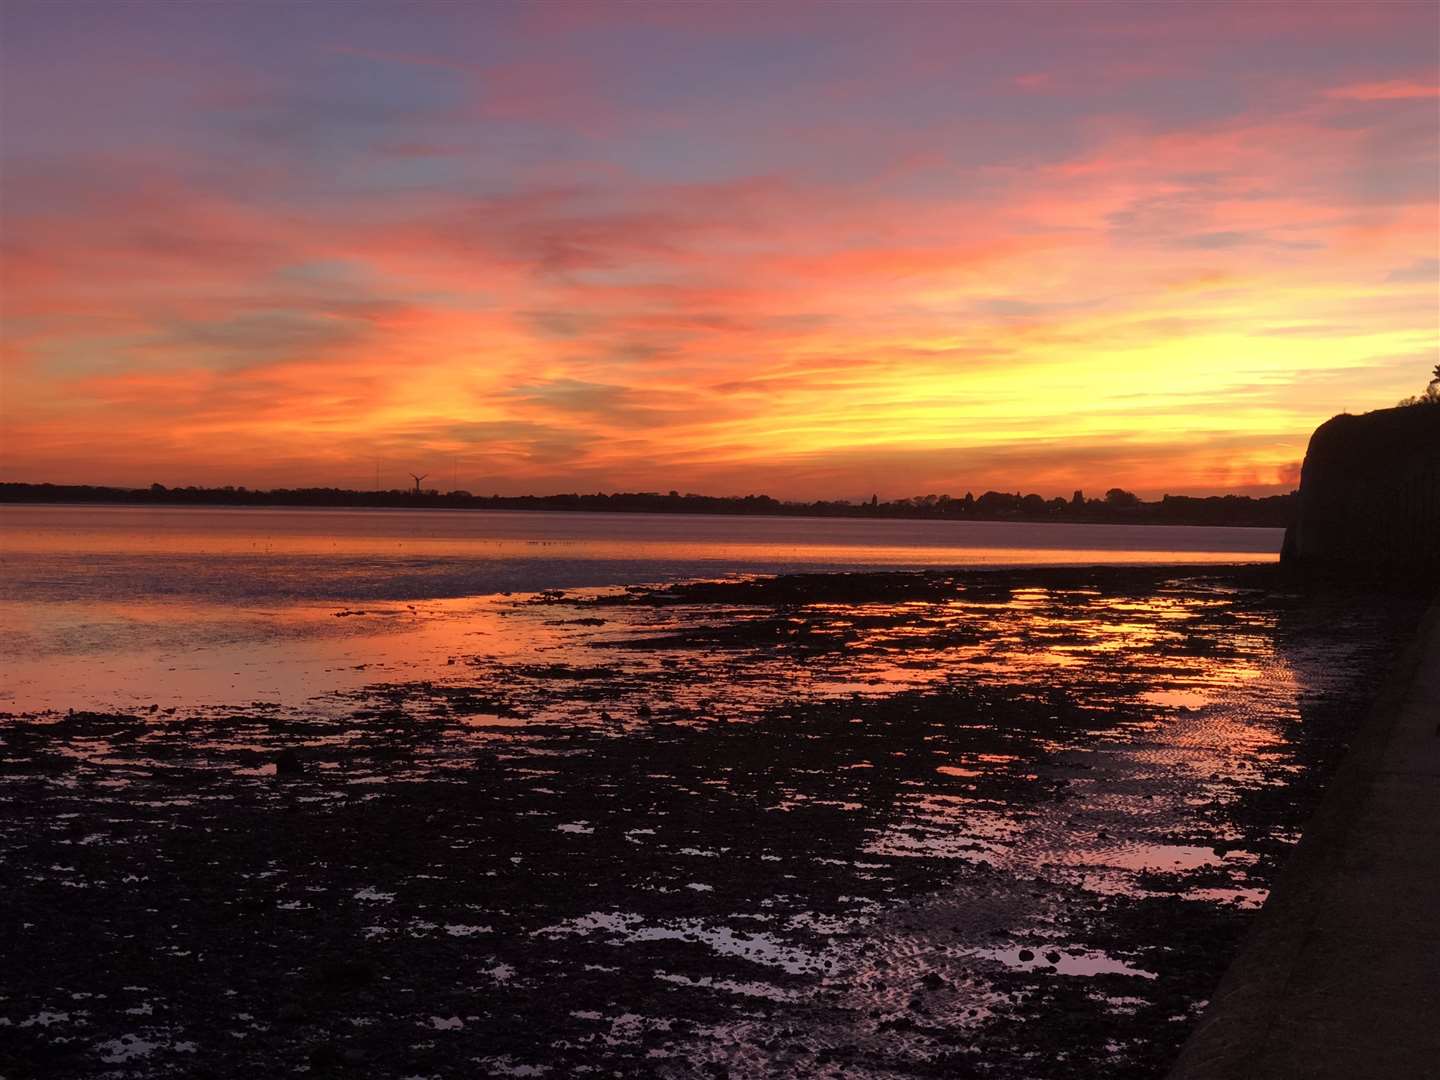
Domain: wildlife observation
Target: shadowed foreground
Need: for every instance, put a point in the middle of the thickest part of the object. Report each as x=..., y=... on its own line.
x=1341, y=976
x=999, y=825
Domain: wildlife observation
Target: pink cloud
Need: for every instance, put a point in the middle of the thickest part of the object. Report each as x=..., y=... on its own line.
x=1035, y=81
x=1391, y=90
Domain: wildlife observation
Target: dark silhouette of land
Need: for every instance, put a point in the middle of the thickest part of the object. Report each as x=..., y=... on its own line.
x=1118, y=506
x=1369, y=497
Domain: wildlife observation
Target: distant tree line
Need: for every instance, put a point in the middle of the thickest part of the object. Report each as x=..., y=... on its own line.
x=1116, y=506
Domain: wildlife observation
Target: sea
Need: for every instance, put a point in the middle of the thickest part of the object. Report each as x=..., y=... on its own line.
x=105, y=607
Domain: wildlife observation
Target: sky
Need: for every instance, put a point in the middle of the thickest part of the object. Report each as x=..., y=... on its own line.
x=814, y=250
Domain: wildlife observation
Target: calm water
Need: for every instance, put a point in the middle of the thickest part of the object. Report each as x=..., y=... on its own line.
x=122, y=553
x=113, y=607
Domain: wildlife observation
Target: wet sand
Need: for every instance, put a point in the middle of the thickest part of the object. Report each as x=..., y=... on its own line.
x=996, y=824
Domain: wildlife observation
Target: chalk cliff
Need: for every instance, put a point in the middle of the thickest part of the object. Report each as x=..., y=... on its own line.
x=1370, y=495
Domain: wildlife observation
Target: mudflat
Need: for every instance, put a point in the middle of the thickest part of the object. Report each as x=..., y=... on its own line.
x=1005, y=824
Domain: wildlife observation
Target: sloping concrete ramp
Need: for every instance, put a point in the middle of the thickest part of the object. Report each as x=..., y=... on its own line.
x=1340, y=976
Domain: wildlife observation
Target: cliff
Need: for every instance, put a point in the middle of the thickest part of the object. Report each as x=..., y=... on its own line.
x=1370, y=495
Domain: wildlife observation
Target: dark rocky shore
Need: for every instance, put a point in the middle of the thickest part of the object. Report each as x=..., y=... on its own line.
x=1005, y=825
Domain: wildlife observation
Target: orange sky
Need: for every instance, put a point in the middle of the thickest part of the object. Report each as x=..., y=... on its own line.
x=813, y=250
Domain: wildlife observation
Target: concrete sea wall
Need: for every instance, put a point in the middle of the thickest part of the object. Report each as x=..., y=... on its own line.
x=1339, y=979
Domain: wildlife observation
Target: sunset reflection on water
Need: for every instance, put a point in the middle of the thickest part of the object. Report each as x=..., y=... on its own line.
x=115, y=607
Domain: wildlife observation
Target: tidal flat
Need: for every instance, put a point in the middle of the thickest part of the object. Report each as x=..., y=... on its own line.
x=1005, y=824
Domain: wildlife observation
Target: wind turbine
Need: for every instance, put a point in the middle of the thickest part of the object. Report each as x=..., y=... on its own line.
x=417, y=480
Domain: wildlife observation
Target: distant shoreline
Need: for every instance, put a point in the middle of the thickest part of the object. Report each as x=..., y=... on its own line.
x=797, y=514
x=1233, y=511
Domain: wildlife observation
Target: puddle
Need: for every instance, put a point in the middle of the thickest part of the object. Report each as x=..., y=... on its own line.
x=1063, y=962
x=1176, y=699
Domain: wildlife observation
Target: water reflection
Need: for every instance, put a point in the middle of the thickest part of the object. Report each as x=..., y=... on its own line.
x=66, y=554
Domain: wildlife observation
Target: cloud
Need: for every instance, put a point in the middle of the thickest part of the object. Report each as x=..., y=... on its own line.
x=577, y=396
x=252, y=337
x=562, y=324
x=1424, y=271
x=1389, y=90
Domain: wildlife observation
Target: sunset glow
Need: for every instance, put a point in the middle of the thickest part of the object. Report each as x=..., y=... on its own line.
x=810, y=250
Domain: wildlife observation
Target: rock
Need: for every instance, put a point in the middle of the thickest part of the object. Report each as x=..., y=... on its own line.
x=346, y=973
x=1026, y=955
x=260, y=903
x=328, y=1056
x=1053, y=956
